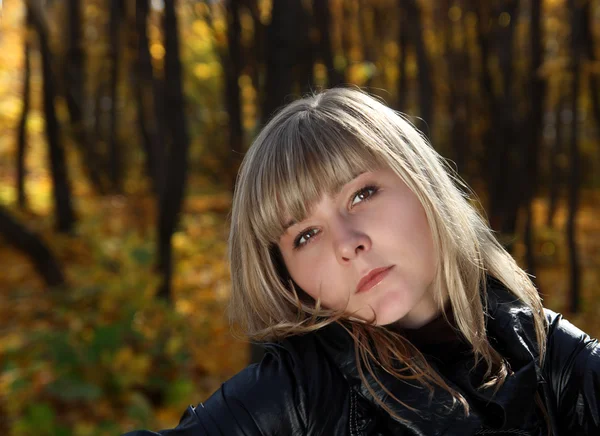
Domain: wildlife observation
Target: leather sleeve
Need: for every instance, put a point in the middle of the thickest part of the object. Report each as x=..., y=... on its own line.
x=262, y=400
x=572, y=369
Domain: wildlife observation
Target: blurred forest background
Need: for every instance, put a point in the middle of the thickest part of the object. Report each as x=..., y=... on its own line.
x=122, y=124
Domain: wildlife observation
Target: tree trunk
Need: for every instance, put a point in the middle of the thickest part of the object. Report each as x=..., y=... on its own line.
x=426, y=104
x=74, y=85
x=588, y=37
x=306, y=49
x=172, y=195
x=403, y=45
x=65, y=218
x=22, y=129
x=115, y=165
x=457, y=62
x=365, y=24
x=233, y=69
x=347, y=28
x=502, y=160
x=146, y=94
x=509, y=196
x=33, y=247
x=574, y=167
x=536, y=113
x=254, y=56
x=322, y=16
x=287, y=41
x=555, y=170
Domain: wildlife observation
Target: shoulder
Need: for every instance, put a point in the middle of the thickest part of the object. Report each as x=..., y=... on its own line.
x=572, y=370
x=286, y=393
x=251, y=399
x=567, y=344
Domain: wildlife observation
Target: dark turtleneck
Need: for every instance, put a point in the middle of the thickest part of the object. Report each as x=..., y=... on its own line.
x=439, y=339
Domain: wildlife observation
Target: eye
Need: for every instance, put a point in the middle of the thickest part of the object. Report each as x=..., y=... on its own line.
x=363, y=194
x=304, y=238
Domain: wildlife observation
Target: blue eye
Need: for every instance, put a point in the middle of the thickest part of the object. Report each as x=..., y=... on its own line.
x=363, y=194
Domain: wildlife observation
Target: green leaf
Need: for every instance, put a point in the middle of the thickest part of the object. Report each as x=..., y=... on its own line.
x=142, y=256
x=19, y=384
x=61, y=350
x=106, y=338
x=139, y=408
x=62, y=431
x=179, y=392
x=70, y=389
x=39, y=419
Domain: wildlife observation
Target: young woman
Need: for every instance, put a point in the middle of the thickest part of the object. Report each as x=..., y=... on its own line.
x=387, y=305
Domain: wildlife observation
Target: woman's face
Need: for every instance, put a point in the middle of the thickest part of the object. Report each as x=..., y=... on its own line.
x=370, y=246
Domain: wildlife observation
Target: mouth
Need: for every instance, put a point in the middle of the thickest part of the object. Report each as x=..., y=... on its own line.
x=373, y=278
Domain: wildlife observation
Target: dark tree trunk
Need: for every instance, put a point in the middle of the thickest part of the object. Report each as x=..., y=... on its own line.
x=457, y=62
x=468, y=114
x=322, y=16
x=481, y=9
x=365, y=24
x=253, y=57
x=288, y=50
x=555, y=176
x=415, y=28
x=347, y=27
x=22, y=129
x=403, y=46
x=65, y=218
x=588, y=38
x=503, y=164
x=146, y=95
x=508, y=198
x=489, y=103
x=233, y=69
x=536, y=113
x=74, y=85
x=577, y=16
x=33, y=247
x=99, y=93
x=172, y=195
x=115, y=164
x=306, y=49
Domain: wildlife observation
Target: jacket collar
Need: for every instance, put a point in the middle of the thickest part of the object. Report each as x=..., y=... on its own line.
x=510, y=328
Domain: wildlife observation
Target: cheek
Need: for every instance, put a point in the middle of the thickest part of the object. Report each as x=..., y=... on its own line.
x=317, y=278
x=423, y=247
x=413, y=237
x=306, y=275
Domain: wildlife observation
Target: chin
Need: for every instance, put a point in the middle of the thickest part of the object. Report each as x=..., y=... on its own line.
x=392, y=308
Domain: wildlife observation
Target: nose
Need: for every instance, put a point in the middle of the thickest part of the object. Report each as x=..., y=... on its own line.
x=349, y=241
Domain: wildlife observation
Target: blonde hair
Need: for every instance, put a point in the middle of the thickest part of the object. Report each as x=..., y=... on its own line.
x=314, y=146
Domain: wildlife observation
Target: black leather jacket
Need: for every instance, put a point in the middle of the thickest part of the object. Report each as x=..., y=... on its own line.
x=309, y=385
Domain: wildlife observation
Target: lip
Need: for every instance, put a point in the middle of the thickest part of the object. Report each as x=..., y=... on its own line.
x=373, y=278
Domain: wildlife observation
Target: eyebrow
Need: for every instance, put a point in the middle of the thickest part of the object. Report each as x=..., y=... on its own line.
x=289, y=224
